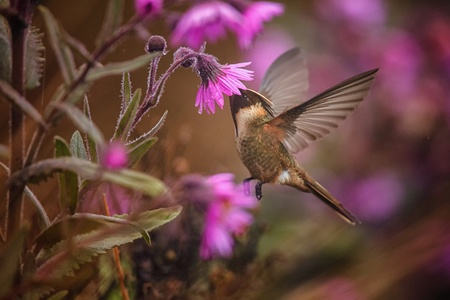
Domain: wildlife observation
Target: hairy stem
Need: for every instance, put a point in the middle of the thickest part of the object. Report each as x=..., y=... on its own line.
x=18, y=22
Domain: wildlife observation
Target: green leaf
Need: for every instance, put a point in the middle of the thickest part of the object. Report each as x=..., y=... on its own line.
x=120, y=67
x=81, y=121
x=135, y=154
x=131, y=179
x=68, y=181
x=34, y=62
x=62, y=51
x=12, y=95
x=9, y=260
x=64, y=257
x=77, y=147
x=111, y=22
x=149, y=133
x=34, y=200
x=126, y=91
x=126, y=119
x=92, y=145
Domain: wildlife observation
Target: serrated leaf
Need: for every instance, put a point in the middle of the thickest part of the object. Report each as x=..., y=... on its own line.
x=126, y=91
x=126, y=119
x=34, y=61
x=112, y=21
x=56, y=261
x=135, y=154
x=14, y=96
x=131, y=179
x=62, y=51
x=92, y=145
x=68, y=181
x=118, y=68
x=81, y=121
x=9, y=260
x=77, y=147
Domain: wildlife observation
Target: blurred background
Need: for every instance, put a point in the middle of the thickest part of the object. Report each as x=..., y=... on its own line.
x=389, y=163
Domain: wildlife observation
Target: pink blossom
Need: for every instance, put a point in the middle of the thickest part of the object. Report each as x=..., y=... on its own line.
x=226, y=216
x=217, y=80
x=254, y=15
x=114, y=156
x=205, y=21
x=148, y=7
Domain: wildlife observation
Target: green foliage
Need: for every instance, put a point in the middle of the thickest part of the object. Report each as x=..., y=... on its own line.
x=9, y=260
x=125, y=121
x=136, y=153
x=117, y=68
x=77, y=148
x=61, y=49
x=11, y=94
x=75, y=240
x=134, y=180
x=68, y=181
x=111, y=22
x=34, y=62
x=92, y=145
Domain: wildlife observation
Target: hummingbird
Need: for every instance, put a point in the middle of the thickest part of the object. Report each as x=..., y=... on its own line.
x=273, y=124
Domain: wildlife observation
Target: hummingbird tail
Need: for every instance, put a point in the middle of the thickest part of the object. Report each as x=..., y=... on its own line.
x=319, y=191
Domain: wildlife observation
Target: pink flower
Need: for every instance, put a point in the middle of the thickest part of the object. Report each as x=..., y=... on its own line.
x=205, y=21
x=114, y=156
x=148, y=7
x=217, y=80
x=254, y=15
x=226, y=216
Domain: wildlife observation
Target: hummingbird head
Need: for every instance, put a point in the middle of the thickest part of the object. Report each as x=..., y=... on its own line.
x=248, y=106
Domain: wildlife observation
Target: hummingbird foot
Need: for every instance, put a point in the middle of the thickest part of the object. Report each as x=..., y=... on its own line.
x=258, y=190
x=247, y=185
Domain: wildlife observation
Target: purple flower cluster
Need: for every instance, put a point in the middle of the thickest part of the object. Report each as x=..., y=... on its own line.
x=216, y=79
x=208, y=21
x=226, y=216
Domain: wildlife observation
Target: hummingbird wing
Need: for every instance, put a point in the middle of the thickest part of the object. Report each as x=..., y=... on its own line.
x=315, y=118
x=286, y=81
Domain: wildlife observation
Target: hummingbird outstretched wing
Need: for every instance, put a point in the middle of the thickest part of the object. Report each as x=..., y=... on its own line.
x=285, y=82
x=315, y=118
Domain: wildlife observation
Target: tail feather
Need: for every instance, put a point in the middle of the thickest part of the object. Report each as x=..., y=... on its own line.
x=319, y=191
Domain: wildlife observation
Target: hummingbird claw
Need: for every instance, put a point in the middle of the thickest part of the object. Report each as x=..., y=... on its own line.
x=258, y=190
x=247, y=185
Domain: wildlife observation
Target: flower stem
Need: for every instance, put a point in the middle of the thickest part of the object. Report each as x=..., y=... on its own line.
x=116, y=254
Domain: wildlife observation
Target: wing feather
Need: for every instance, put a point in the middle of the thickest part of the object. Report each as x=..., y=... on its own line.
x=286, y=81
x=316, y=117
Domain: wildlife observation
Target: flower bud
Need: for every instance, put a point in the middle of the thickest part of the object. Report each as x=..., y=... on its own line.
x=182, y=52
x=156, y=43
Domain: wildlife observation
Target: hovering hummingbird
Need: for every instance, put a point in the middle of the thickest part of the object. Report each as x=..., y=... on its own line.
x=272, y=124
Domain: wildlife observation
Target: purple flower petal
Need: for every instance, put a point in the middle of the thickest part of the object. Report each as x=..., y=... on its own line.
x=226, y=216
x=205, y=21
